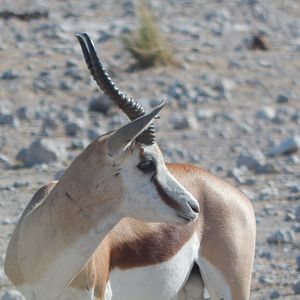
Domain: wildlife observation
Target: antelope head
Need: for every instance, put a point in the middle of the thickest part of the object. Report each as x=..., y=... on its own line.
x=149, y=192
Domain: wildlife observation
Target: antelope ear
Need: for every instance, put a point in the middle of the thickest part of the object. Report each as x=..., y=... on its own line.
x=123, y=136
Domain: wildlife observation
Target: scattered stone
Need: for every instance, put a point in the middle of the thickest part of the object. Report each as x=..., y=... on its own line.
x=266, y=113
x=79, y=144
x=49, y=123
x=6, y=119
x=298, y=262
x=12, y=295
x=73, y=128
x=65, y=85
x=265, y=280
x=100, y=103
x=266, y=254
x=21, y=156
x=268, y=168
x=282, y=98
x=9, y=75
x=204, y=114
x=290, y=217
x=80, y=111
x=44, y=82
x=21, y=183
x=180, y=121
x=275, y=295
x=288, y=146
x=92, y=133
x=24, y=16
x=296, y=227
x=74, y=73
x=24, y=113
x=5, y=162
x=252, y=161
x=298, y=213
x=42, y=151
x=294, y=187
x=259, y=42
x=296, y=288
x=239, y=174
x=282, y=237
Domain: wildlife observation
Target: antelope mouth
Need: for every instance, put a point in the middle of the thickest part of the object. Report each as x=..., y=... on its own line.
x=188, y=218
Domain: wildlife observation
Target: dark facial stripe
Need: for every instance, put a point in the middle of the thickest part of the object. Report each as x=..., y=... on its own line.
x=164, y=196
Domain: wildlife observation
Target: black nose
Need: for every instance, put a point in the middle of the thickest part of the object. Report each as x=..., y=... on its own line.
x=194, y=206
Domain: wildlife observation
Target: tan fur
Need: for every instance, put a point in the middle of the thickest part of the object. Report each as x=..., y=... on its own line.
x=226, y=228
x=11, y=267
x=66, y=215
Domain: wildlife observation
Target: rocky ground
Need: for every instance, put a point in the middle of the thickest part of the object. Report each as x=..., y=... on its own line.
x=232, y=110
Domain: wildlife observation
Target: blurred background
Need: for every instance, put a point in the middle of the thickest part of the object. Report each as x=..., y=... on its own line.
x=229, y=70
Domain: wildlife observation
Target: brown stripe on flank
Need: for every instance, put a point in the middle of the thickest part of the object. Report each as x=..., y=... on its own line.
x=164, y=196
x=136, y=245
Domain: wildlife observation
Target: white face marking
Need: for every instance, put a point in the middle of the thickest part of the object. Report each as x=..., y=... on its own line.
x=141, y=197
x=161, y=281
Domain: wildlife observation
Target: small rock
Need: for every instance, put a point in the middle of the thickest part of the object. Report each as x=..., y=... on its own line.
x=268, y=168
x=180, y=121
x=49, y=123
x=6, y=119
x=252, y=161
x=79, y=144
x=7, y=221
x=5, y=161
x=12, y=295
x=282, y=98
x=266, y=254
x=298, y=213
x=204, y=114
x=42, y=151
x=265, y=280
x=24, y=113
x=288, y=146
x=100, y=103
x=73, y=128
x=290, y=217
x=294, y=187
x=92, y=133
x=266, y=113
x=21, y=156
x=282, y=237
x=296, y=288
x=64, y=85
x=275, y=295
x=298, y=262
x=73, y=72
x=21, y=183
x=9, y=75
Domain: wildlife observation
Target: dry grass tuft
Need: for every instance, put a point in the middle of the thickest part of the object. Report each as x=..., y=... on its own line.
x=147, y=44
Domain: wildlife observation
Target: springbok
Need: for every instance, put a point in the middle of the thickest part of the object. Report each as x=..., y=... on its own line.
x=89, y=236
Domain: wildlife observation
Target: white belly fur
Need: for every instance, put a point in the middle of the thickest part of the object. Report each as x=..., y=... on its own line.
x=161, y=281
x=214, y=281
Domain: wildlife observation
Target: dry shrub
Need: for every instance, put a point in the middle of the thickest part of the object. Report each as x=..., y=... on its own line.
x=147, y=44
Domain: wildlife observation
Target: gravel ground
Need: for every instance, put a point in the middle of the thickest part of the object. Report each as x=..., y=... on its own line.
x=231, y=110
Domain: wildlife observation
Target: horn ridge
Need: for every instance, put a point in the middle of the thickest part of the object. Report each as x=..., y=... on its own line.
x=132, y=109
x=128, y=105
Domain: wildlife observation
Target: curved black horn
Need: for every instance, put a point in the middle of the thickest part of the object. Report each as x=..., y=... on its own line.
x=129, y=106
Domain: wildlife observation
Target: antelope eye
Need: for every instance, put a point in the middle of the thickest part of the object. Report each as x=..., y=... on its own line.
x=147, y=166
